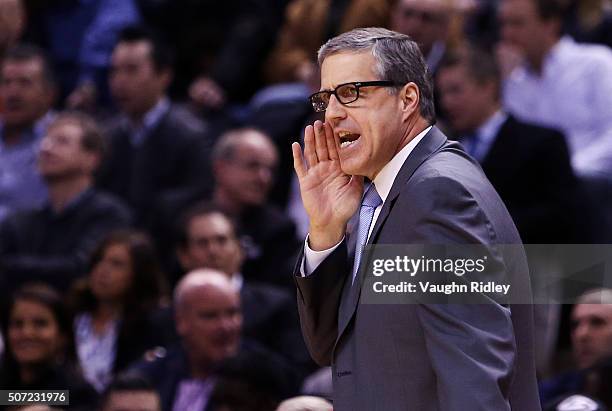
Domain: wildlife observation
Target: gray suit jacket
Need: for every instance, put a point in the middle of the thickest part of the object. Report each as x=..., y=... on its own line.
x=425, y=357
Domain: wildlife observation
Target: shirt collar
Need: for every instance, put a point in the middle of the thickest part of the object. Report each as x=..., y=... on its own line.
x=72, y=204
x=41, y=125
x=149, y=121
x=489, y=129
x=238, y=281
x=38, y=129
x=155, y=114
x=385, y=178
x=554, y=53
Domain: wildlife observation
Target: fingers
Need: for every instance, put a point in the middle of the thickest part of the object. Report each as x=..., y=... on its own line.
x=298, y=161
x=331, y=143
x=309, y=147
x=321, y=141
x=319, y=145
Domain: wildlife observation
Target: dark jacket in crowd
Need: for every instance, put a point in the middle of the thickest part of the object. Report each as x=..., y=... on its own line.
x=82, y=396
x=270, y=317
x=530, y=168
x=271, y=245
x=161, y=176
x=169, y=369
x=40, y=245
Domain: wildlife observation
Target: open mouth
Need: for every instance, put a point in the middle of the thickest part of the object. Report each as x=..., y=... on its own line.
x=347, y=138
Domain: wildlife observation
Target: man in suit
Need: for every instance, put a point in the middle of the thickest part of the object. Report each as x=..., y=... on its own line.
x=425, y=190
x=208, y=239
x=158, y=158
x=528, y=165
x=208, y=320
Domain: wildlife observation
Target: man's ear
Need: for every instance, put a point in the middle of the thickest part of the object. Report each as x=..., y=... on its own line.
x=92, y=161
x=218, y=167
x=167, y=76
x=183, y=258
x=180, y=324
x=410, y=98
x=492, y=88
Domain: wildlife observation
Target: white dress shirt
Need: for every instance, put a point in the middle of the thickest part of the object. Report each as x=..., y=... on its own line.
x=383, y=182
x=573, y=93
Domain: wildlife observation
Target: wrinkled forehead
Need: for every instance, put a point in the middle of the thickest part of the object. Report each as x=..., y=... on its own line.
x=517, y=8
x=30, y=67
x=433, y=6
x=583, y=311
x=346, y=67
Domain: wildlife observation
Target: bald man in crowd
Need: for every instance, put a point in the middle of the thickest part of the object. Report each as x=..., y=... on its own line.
x=208, y=320
x=208, y=239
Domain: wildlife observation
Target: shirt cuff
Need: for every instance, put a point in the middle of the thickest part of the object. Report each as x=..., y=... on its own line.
x=312, y=259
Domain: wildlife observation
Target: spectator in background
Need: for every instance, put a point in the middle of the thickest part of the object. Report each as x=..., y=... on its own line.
x=209, y=323
x=591, y=337
x=244, y=161
x=39, y=351
x=528, y=165
x=308, y=23
x=220, y=46
x=12, y=22
x=27, y=92
x=80, y=36
x=130, y=392
x=208, y=240
x=53, y=244
x=429, y=24
x=114, y=325
x=589, y=21
x=158, y=158
x=553, y=66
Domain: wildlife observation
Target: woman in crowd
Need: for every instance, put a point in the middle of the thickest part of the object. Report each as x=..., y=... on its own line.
x=39, y=351
x=116, y=305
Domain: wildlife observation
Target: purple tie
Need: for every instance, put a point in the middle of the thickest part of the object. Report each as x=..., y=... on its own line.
x=370, y=201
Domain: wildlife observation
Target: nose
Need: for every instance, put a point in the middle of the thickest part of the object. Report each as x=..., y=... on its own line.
x=335, y=110
x=582, y=331
x=28, y=330
x=46, y=144
x=229, y=322
x=264, y=174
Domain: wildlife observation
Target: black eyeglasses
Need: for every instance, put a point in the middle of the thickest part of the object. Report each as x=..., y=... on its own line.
x=345, y=93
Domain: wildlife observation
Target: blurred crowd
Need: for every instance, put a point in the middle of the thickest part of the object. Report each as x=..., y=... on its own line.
x=150, y=219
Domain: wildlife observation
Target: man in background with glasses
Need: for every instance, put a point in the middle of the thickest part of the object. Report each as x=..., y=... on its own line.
x=379, y=124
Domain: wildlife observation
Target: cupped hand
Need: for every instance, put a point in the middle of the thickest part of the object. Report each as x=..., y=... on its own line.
x=330, y=196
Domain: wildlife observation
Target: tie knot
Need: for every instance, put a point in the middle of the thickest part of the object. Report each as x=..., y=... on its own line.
x=371, y=197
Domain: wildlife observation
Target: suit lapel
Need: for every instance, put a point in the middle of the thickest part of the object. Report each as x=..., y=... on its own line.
x=350, y=295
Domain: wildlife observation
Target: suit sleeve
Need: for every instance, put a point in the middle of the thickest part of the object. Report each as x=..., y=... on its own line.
x=471, y=343
x=318, y=297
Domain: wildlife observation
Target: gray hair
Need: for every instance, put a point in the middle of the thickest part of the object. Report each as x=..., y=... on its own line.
x=226, y=146
x=203, y=277
x=596, y=296
x=397, y=56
